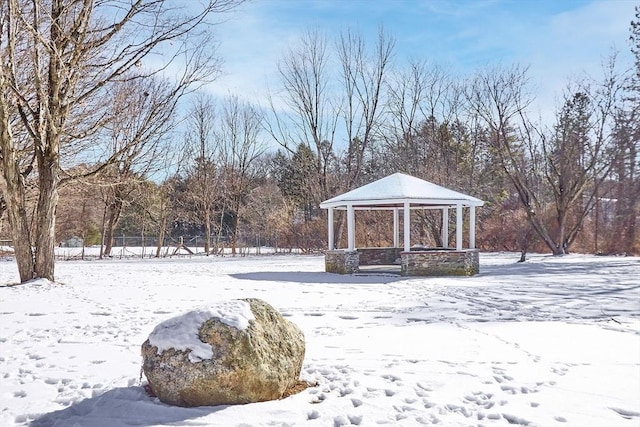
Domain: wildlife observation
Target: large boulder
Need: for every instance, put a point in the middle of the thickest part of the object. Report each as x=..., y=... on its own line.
x=238, y=351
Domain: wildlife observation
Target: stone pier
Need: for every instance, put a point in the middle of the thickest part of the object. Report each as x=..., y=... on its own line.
x=440, y=263
x=341, y=261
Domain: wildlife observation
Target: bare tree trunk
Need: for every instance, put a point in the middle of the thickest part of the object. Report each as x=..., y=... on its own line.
x=162, y=217
x=142, y=241
x=207, y=232
x=113, y=215
x=220, y=250
x=11, y=183
x=234, y=233
x=161, y=231
x=45, y=226
x=19, y=225
x=561, y=233
x=83, y=233
x=104, y=231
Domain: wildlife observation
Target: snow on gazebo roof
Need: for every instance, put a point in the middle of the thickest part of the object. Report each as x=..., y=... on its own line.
x=394, y=190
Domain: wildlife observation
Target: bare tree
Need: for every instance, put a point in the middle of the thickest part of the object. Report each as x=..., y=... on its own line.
x=623, y=235
x=581, y=153
x=574, y=167
x=421, y=93
x=79, y=213
x=145, y=117
x=240, y=147
x=59, y=59
x=313, y=106
x=363, y=77
x=634, y=38
x=202, y=148
x=498, y=98
x=265, y=212
x=569, y=164
x=159, y=212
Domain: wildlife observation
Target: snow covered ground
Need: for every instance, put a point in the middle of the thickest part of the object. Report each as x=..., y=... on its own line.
x=554, y=341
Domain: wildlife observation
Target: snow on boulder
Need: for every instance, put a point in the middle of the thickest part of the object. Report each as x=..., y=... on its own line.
x=238, y=351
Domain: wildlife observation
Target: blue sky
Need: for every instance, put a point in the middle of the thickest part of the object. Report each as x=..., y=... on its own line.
x=557, y=39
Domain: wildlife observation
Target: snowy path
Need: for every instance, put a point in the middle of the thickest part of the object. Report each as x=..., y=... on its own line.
x=551, y=342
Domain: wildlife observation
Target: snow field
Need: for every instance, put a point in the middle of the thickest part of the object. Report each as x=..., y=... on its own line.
x=551, y=342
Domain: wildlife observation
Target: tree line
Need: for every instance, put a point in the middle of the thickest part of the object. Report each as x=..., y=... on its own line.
x=94, y=134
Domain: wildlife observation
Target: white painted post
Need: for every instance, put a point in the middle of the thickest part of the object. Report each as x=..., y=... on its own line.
x=445, y=227
x=396, y=226
x=330, y=229
x=472, y=227
x=407, y=226
x=351, y=228
x=458, y=227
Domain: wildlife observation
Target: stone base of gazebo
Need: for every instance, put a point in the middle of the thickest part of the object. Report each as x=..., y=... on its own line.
x=379, y=256
x=341, y=261
x=440, y=262
x=422, y=262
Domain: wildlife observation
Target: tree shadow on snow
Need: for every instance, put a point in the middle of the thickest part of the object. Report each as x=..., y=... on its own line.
x=125, y=406
x=551, y=266
x=319, y=277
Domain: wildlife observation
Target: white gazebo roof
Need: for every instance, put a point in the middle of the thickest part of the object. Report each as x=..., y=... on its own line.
x=394, y=190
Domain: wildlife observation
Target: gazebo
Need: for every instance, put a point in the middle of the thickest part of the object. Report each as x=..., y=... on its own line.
x=395, y=193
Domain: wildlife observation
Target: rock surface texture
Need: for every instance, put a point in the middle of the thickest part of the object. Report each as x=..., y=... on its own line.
x=245, y=364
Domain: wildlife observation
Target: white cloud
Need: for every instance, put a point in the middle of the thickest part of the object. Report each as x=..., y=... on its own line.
x=574, y=44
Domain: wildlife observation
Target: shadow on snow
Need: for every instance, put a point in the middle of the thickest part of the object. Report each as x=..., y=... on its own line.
x=318, y=277
x=552, y=265
x=124, y=406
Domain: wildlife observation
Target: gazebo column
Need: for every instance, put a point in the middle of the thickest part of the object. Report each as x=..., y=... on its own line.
x=407, y=226
x=330, y=228
x=351, y=225
x=342, y=261
x=445, y=227
x=458, y=227
x=396, y=227
x=472, y=227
